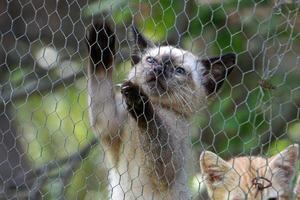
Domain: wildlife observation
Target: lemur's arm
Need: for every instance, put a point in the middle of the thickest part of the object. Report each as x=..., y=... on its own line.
x=105, y=116
x=155, y=140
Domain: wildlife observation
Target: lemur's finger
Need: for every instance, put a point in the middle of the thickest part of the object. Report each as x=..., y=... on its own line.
x=131, y=92
x=138, y=103
x=126, y=85
x=101, y=44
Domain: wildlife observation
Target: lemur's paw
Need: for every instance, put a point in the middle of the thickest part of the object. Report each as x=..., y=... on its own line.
x=101, y=44
x=135, y=98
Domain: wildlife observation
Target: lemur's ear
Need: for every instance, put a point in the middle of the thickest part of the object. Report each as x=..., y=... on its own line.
x=138, y=44
x=215, y=71
x=215, y=170
x=283, y=165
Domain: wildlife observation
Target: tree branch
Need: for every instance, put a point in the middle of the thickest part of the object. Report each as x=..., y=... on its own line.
x=40, y=86
x=53, y=170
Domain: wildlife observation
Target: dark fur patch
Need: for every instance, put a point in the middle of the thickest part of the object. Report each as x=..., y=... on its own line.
x=101, y=45
x=139, y=105
x=138, y=44
x=216, y=70
x=113, y=142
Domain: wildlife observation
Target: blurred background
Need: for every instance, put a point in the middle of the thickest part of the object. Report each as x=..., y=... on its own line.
x=47, y=148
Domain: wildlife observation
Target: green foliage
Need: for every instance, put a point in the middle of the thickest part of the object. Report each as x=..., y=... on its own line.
x=56, y=124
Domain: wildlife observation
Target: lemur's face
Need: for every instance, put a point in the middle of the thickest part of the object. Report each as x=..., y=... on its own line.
x=174, y=76
x=166, y=70
x=249, y=177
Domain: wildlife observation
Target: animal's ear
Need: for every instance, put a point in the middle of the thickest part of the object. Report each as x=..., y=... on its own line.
x=138, y=44
x=215, y=71
x=215, y=169
x=283, y=165
x=297, y=188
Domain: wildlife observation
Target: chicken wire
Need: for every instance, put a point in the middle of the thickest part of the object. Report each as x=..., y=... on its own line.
x=48, y=149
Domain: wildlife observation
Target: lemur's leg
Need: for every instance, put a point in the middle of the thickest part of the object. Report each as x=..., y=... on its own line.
x=104, y=115
x=155, y=139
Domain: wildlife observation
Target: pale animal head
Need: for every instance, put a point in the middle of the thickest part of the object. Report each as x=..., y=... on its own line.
x=174, y=77
x=248, y=177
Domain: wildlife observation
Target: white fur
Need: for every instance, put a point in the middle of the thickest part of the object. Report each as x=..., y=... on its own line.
x=188, y=59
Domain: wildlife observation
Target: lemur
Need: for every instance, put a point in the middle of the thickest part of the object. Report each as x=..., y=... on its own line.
x=144, y=128
x=250, y=177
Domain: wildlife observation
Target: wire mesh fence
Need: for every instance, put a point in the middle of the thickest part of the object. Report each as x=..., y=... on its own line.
x=118, y=99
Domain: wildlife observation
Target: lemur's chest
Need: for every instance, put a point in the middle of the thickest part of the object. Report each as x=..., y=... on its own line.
x=175, y=126
x=133, y=176
x=133, y=151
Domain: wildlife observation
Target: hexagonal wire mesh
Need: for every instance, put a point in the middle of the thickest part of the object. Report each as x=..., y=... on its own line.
x=153, y=132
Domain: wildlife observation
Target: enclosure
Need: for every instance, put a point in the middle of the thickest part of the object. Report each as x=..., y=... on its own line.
x=48, y=149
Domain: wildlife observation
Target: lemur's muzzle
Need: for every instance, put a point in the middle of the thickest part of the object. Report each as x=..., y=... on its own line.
x=158, y=70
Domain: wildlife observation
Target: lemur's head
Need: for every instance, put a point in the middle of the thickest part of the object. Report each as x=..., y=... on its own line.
x=250, y=177
x=175, y=77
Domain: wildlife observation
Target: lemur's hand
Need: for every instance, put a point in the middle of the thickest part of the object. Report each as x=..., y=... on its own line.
x=101, y=45
x=138, y=103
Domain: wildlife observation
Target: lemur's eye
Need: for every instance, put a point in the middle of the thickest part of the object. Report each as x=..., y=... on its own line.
x=151, y=60
x=180, y=70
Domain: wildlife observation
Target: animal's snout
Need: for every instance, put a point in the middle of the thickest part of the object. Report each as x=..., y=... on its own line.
x=158, y=70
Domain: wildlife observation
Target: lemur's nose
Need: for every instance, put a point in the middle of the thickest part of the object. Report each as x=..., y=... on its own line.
x=158, y=70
